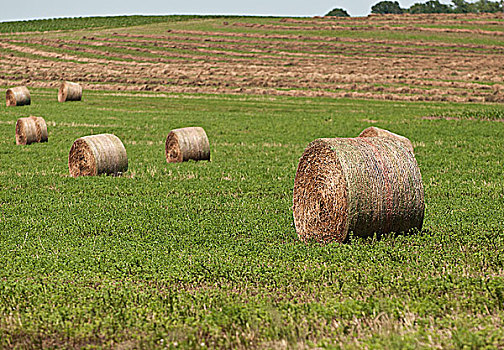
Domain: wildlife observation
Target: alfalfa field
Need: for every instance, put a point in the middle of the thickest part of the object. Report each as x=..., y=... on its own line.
x=205, y=254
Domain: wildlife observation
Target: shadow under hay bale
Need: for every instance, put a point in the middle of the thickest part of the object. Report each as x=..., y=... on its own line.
x=377, y=132
x=187, y=143
x=17, y=96
x=69, y=91
x=97, y=154
x=360, y=185
x=30, y=130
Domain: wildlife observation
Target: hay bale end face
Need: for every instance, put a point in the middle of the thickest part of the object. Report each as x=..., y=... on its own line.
x=359, y=185
x=69, y=91
x=97, y=154
x=31, y=129
x=377, y=132
x=17, y=96
x=187, y=143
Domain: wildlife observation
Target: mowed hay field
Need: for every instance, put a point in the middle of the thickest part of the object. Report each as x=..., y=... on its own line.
x=205, y=254
x=455, y=58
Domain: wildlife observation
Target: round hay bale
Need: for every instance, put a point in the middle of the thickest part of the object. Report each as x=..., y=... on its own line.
x=69, y=91
x=187, y=143
x=18, y=96
x=359, y=185
x=377, y=132
x=97, y=154
x=31, y=129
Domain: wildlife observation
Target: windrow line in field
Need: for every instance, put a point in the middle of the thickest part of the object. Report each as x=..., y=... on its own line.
x=308, y=49
x=368, y=28
x=58, y=55
x=92, y=54
x=392, y=21
x=312, y=45
x=208, y=35
x=204, y=82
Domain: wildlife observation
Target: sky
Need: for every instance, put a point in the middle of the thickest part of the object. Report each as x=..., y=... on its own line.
x=34, y=9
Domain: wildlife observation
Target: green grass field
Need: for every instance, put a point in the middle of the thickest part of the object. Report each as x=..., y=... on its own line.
x=205, y=254
x=65, y=24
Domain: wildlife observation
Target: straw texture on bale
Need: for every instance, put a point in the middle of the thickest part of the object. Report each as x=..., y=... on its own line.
x=30, y=130
x=359, y=185
x=377, y=132
x=18, y=96
x=69, y=92
x=97, y=154
x=187, y=143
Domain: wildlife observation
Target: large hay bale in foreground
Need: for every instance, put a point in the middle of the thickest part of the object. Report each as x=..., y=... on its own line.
x=97, y=154
x=17, y=96
x=69, y=91
x=359, y=185
x=31, y=129
x=187, y=143
x=377, y=132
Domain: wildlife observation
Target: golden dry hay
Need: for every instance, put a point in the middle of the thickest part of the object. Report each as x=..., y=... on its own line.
x=31, y=129
x=97, y=154
x=17, y=96
x=69, y=91
x=377, y=132
x=187, y=143
x=360, y=185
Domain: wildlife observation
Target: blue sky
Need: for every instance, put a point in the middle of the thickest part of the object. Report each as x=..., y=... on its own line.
x=30, y=9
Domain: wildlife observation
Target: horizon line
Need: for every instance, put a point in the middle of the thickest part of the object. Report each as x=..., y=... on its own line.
x=171, y=14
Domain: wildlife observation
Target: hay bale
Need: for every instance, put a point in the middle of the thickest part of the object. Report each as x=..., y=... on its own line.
x=187, y=143
x=377, y=132
x=18, y=96
x=31, y=129
x=97, y=154
x=359, y=185
x=69, y=91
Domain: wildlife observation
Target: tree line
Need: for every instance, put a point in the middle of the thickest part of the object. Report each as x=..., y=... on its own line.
x=431, y=6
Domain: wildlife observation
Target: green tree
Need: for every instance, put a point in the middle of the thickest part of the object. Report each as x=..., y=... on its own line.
x=337, y=12
x=462, y=6
x=431, y=6
x=482, y=6
x=384, y=7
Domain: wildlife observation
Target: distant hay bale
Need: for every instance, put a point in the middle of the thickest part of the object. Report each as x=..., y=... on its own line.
x=377, y=132
x=359, y=185
x=30, y=130
x=97, y=154
x=187, y=143
x=18, y=96
x=69, y=91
